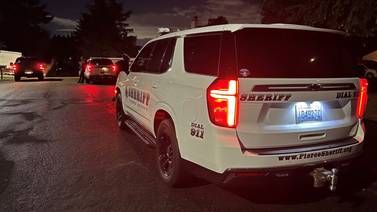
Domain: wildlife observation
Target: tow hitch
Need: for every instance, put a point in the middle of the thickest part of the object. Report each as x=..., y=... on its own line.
x=322, y=177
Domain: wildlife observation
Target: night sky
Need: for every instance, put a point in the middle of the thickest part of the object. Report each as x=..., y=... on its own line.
x=148, y=16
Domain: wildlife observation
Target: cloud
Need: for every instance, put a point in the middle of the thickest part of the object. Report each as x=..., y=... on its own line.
x=64, y=22
x=146, y=25
x=62, y=26
x=65, y=30
x=236, y=11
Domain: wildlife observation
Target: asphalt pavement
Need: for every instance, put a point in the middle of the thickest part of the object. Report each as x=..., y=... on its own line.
x=60, y=150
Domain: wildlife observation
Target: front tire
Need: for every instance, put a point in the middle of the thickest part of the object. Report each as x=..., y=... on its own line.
x=120, y=115
x=169, y=162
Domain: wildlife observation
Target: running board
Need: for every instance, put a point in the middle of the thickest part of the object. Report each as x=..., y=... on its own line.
x=144, y=135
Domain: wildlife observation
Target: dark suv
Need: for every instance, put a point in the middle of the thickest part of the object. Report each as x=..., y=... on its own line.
x=29, y=67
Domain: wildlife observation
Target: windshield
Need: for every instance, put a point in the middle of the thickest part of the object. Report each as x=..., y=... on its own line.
x=287, y=53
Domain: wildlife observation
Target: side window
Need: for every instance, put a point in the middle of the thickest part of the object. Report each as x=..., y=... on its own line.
x=168, y=56
x=157, y=56
x=202, y=53
x=141, y=62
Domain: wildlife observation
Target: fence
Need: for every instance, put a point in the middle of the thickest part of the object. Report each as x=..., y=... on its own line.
x=2, y=70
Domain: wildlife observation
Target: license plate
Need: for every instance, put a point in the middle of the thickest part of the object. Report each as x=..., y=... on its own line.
x=306, y=112
x=28, y=72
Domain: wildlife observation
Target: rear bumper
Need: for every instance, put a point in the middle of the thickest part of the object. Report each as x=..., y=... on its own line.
x=237, y=160
x=33, y=74
x=239, y=175
x=102, y=77
x=228, y=155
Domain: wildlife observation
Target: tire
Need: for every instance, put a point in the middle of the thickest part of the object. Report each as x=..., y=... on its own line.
x=40, y=77
x=120, y=115
x=17, y=78
x=369, y=76
x=169, y=162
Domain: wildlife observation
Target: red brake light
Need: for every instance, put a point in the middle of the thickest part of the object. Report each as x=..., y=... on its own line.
x=90, y=67
x=15, y=67
x=222, y=100
x=41, y=66
x=114, y=68
x=362, y=99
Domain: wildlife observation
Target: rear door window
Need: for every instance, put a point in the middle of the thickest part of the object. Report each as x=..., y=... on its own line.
x=202, y=53
x=168, y=56
x=157, y=56
x=286, y=53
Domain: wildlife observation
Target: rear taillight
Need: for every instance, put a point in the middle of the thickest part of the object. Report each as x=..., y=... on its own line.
x=114, y=68
x=89, y=67
x=362, y=99
x=41, y=66
x=15, y=67
x=222, y=100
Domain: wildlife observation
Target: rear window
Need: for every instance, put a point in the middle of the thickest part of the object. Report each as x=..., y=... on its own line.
x=202, y=54
x=28, y=60
x=101, y=62
x=282, y=53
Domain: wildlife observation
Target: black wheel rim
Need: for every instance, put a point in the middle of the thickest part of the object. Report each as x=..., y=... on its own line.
x=165, y=156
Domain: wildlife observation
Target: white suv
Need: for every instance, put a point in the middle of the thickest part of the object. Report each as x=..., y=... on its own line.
x=244, y=100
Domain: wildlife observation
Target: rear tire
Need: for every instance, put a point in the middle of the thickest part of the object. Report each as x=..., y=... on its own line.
x=169, y=162
x=120, y=115
x=40, y=77
x=17, y=78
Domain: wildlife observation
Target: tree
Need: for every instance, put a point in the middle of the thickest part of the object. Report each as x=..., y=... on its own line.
x=357, y=17
x=21, y=24
x=217, y=21
x=62, y=47
x=103, y=31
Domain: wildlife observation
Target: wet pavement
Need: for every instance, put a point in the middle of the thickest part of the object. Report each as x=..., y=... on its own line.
x=60, y=150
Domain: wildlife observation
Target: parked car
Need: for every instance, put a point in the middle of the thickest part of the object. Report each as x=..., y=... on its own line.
x=100, y=69
x=246, y=100
x=369, y=69
x=29, y=67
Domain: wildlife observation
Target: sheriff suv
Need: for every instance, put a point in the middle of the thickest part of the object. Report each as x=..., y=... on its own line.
x=243, y=100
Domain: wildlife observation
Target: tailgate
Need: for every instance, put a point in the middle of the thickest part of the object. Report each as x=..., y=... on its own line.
x=292, y=112
x=103, y=70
